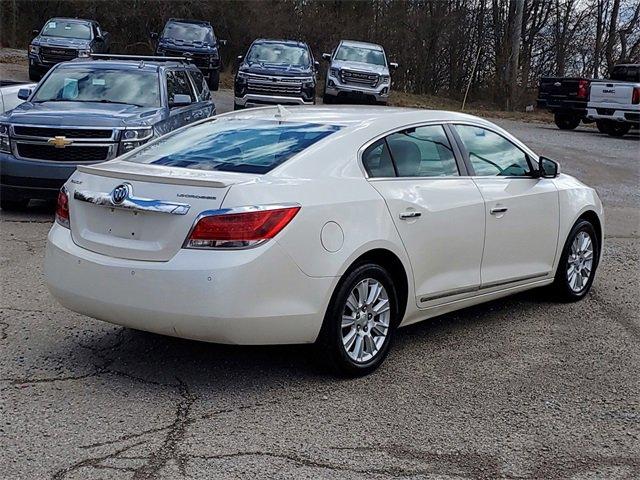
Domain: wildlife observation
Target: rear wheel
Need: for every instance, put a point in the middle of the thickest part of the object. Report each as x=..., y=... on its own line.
x=618, y=129
x=360, y=322
x=578, y=263
x=602, y=126
x=11, y=203
x=566, y=121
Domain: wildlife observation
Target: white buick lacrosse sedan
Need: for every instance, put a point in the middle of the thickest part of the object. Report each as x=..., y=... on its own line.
x=317, y=224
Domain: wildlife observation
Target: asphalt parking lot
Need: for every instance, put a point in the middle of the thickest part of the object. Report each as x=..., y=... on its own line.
x=518, y=388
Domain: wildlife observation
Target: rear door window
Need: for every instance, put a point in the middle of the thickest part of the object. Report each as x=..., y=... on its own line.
x=233, y=145
x=202, y=90
x=178, y=84
x=423, y=152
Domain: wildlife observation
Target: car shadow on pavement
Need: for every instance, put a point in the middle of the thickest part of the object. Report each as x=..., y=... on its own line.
x=123, y=354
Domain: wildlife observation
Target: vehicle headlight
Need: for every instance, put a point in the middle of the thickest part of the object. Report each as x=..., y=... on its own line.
x=131, y=138
x=308, y=82
x=215, y=56
x=84, y=53
x=5, y=145
x=333, y=72
x=241, y=77
x=384, y=79
x=34, y=49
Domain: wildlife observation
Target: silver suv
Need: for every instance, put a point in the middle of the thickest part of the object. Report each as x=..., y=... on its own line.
x=359, y=71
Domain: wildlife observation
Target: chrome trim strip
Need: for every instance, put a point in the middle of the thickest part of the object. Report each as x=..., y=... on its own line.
x=132, y=203
x=459, y=291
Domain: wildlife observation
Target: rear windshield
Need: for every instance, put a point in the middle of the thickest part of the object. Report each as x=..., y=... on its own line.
x=61, y=28
x=233, y=145
x=626, y=73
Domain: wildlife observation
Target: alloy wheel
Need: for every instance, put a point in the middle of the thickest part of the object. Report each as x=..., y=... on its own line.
x=366, y=318
x=580, y=261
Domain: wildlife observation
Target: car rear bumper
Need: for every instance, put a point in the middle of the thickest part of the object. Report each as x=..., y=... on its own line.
x=215, y=296
x=614, y=114
x=32, y=178
x=254, y=100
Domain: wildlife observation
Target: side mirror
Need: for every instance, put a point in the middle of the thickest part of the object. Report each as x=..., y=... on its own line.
x=24, y=93
x=35, y=33
x=153, y=35
x=239, y=59
x=180, y=100
x=326, y=56
x=100, y=39
x=548, y=168
x=393, y=66
x=316, y=64
x=222, y=43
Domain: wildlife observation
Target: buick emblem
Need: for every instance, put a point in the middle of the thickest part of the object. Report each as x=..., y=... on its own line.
x=120, y=193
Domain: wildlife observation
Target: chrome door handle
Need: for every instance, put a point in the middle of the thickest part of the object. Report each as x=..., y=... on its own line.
x=407, y=215
x=496, y=210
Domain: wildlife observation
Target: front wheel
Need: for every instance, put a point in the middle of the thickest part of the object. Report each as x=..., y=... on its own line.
x=360, y=322
x=214, y=80
x=578, y=263
x=34, y=74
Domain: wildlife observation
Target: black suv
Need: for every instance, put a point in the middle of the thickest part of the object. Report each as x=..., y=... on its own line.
x=276, y=72
x=193, y=39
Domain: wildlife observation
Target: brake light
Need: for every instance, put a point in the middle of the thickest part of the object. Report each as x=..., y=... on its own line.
x=583, y=88
x=239, y=228
x=62, y=208
x=635, y=99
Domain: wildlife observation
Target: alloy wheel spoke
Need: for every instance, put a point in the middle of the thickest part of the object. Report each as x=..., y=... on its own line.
x=362, y=289
x=348, y=321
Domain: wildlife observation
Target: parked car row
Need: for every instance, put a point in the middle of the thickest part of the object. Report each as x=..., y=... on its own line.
x=285, y=72
x=613, y=104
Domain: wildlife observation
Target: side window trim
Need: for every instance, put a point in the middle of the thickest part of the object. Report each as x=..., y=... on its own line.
x=467, y=159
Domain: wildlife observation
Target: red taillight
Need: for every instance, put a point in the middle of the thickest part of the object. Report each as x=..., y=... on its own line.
x=635, y=99
x=62, y=208
x=583, y=88
x=239, y=229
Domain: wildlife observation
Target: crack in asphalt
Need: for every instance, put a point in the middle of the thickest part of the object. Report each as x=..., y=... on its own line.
x=169, y=448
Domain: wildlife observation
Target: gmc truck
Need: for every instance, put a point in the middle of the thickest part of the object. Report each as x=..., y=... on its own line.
x=615, y=104
x=89, y=111
x=63, y=39
x=196, y=40
x=358, y=71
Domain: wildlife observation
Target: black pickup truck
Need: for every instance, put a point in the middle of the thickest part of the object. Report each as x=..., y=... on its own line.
x=566, y=98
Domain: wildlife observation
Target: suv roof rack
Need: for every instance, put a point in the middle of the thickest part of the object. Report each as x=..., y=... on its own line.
x=150, y=58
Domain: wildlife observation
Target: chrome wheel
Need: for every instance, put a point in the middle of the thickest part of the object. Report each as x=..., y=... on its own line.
x=366, y=319
x=580, y=261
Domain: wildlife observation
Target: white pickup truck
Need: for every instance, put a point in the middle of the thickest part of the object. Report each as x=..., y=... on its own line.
x=615, y=103
x=9, y=94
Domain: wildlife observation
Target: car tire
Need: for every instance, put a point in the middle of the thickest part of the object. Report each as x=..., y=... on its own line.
x=565, y=121
x=357, y=333
x=34, y=74
x=328, y=99
x=238, y=107
x=10, y=203
x=618, y=129
x=214, y=80
x=581, y=252
x=602, y=126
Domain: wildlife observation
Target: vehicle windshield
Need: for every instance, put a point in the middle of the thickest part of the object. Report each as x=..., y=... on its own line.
x=233, y=145
x=279, y=54
x=349, y=53
x=66, y=29
x=189, y=33
x=83, y=84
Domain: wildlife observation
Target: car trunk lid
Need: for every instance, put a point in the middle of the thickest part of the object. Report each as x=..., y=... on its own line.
x=158, y=208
